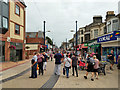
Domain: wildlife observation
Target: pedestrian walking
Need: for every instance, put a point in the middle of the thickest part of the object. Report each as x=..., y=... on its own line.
x=45, y=61
x=58, y=58
x=34, y=66
x=96, y=66
x=40, y=58
x=111, y=57
x=51, y=56
x=118, y=60
x=90, y=65
x=67, y=65
x=74, y=64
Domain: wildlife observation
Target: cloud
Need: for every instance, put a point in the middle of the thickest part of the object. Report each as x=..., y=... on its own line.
x=60, y=15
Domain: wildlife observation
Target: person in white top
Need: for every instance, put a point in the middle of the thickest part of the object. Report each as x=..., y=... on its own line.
x=34, y=66
x=67, y=65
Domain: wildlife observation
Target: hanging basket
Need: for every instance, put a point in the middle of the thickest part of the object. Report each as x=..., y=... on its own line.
x=12, y=47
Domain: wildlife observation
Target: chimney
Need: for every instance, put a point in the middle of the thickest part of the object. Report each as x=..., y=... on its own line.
x=97, y=19
x=110, y=14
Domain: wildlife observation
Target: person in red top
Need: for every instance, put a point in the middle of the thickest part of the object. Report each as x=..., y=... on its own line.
x=40, y=58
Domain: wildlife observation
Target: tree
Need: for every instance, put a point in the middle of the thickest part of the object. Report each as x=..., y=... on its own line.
x=49, y=40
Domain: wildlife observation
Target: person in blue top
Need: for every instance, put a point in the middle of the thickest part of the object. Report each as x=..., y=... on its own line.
x=58, y=57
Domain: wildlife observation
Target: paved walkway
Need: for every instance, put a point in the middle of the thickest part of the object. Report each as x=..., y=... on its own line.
x=25, y=82
x=7, y=65
x=108, y=81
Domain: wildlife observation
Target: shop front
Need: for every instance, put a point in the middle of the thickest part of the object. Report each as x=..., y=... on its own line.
x=16, y=51
x=2, y=51
x=94, y=47
x=110, y=42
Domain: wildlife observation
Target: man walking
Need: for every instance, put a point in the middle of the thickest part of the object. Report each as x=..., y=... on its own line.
x=74, y=64
x=45, y=61
x=58, y=58
x=111, y=57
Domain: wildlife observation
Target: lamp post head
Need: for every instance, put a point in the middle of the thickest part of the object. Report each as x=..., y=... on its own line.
x=76, y=21
x=44, y=21
x=48, y=31
x=72, y=31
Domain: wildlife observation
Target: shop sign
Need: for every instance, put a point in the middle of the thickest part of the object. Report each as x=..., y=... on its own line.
x=85, y=44
x=117, y=34
x=106, y=38
x=93, y=43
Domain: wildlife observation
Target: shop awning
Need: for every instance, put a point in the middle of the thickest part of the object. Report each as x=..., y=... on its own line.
x=43, y=46
x=96, y=45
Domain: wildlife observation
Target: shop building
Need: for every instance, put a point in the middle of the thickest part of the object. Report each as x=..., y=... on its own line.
x=4, y=26
x=13, y=32
x=34, y=42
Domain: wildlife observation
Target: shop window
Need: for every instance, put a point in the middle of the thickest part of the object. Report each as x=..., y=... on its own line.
x=17, y=10
x=17, y=29
x=5, y=22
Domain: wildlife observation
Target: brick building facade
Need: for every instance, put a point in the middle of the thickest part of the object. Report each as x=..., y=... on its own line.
x=35, y=41
x=13, y=31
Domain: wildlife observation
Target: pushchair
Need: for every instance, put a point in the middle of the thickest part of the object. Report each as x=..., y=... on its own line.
x=102, y=66
x=82, y=65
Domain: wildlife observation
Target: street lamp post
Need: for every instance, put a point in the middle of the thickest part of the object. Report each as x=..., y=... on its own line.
x=66, y=43
x=76, y=38
x=44, y=35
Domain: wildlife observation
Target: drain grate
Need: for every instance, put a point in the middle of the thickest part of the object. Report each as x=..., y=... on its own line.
x=51, y=82
x=15, y=76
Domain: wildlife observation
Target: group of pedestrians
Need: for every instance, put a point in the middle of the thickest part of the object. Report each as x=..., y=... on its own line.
x=70, y=61
x=39, y=61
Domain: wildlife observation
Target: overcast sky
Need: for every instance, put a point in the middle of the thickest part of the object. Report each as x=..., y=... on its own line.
x=60, y=15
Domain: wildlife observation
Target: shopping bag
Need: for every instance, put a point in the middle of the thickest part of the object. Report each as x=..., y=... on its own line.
x=63, y=71
x=37, y=67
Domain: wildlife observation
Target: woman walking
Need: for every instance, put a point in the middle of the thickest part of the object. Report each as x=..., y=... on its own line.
x=67, y=65
x=96, y=66
x=34, y=66
x=40, y=62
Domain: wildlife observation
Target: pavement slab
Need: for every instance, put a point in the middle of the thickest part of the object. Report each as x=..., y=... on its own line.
x=108, y=81
x=25, y=82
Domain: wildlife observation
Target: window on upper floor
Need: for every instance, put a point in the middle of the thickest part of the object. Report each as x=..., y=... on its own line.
x=115, y=25
x=91, y=34
x=6, y=1
x=81, y=39
x=105, y=30
x=95, y=33
x=0, y=22
x=17, y=9
x=17, y=29
x=5, y=22
x=81, y=31
x=109, y=27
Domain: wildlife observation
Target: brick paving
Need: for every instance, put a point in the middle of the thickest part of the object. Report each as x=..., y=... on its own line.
x=10, y=64
x=25, y=82
x=108, y=81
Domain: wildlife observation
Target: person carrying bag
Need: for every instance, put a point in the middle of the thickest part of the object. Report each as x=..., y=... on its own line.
x=67, y=65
